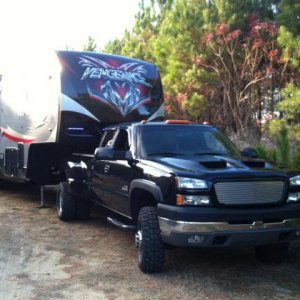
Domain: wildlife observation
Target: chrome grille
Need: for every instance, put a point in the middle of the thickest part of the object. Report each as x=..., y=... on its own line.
x=249, y=192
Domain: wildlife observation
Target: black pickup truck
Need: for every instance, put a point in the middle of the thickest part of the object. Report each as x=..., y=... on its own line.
x=182, y=184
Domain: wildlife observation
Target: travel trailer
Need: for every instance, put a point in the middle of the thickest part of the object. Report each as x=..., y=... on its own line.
x=53, y=106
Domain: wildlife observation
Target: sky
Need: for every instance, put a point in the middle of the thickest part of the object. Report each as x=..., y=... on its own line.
x=28, y=26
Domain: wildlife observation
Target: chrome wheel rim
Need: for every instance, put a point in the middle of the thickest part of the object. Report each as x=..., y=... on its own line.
x=138, y=238
x=59, y=208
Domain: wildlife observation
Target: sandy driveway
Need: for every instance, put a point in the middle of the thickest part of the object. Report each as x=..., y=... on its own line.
x=44, y=258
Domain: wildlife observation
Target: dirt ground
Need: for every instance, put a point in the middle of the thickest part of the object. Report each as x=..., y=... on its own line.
x=44, y=258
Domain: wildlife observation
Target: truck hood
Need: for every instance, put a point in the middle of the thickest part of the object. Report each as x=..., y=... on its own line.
x=217, y=166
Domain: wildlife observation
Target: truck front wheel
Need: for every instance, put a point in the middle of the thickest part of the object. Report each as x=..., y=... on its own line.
x=148, y=241
x=65, y=203
x=272, y=253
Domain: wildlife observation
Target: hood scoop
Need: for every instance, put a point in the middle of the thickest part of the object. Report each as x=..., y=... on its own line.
x=218, y=164
x=255, y=164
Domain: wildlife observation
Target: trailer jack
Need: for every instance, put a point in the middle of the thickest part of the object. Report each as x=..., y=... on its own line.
x=42, y=204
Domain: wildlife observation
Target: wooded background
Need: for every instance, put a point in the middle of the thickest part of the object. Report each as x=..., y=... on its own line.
x=232, y=63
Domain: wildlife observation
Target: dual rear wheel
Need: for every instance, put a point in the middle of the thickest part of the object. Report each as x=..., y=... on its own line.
x=70, y=207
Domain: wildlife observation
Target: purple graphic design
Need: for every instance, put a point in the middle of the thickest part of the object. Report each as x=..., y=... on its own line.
x=122, y=86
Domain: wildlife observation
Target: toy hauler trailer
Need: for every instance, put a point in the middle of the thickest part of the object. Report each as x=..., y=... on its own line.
x=47, y=113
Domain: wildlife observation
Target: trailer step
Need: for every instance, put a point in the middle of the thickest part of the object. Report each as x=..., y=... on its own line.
x=121, y=225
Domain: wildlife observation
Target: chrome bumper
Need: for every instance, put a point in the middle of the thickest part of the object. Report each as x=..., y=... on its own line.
x=168, y=227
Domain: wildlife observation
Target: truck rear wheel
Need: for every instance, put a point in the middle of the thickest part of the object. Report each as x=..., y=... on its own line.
x=148, y=241
x=65, y=203
x=272, y=253
x=83, y=209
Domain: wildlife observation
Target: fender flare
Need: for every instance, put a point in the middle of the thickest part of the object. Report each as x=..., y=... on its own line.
x=76, y=171
x=77, y=178
x=148, y=186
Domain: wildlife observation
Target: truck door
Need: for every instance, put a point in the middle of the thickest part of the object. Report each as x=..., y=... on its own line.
x=121, y=173
x=110, y=179
x=100, y=175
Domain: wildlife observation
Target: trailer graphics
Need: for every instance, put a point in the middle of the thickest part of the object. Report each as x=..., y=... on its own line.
x=122, y=86
x=16, y=137
x=59, y=104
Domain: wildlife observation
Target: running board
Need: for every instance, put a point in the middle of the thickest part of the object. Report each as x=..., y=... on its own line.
x=121, y=225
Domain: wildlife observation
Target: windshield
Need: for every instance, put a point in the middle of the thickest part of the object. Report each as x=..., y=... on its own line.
x=183, y=140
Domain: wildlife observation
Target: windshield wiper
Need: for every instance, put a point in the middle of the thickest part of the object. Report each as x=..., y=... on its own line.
x=165, y=154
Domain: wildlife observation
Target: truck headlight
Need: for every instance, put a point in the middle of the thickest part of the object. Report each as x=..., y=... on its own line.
x=201, y=200
x=191, y=183
x=294, y=197
x=295, y=180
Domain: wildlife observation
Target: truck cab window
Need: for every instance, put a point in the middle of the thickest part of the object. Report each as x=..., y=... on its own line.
x=121, y=142
x=107, y=139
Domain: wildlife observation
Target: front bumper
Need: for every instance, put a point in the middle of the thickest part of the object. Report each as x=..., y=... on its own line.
x=227, y=229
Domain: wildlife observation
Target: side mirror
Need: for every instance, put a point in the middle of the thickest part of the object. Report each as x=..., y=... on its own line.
x=111, y=154
x=249, y=152
x=104, y=153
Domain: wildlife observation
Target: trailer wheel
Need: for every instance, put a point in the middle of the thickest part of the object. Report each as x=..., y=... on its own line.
x=65, y=203
x=148, y=241
x=83, y=209
x=272, y=253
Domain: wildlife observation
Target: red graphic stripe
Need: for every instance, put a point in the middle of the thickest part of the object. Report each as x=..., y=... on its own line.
x=17, y=139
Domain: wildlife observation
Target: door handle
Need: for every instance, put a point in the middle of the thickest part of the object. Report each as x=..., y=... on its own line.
x=106, y=168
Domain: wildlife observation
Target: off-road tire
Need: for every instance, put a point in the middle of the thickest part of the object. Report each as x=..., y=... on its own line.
x=65, y=203
x=150, y=246
x=272, y=253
